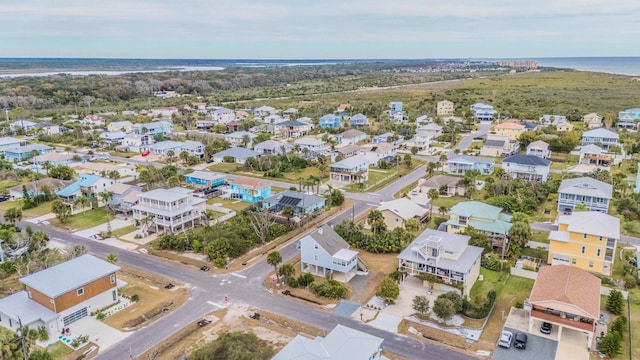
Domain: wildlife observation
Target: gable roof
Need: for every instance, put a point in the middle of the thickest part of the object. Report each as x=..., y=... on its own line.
x=272, y=145
x=309, y=141
x=121, y=188
x=241, y=134
x=600, y=132
x=328, y=239
x=570, y=286
x=591, y=149
x=477, y=209
x=350, y=162
x=586, y=186
x=494, y=143
x=237, y=153
x=510, y=126
x=64, y=277
x=593, y=223
x=438, y=180
x=348, y=149
x=403, y=207
x=290, y=197
x=527, y=160
x=342, y=343
x=352, y=133
x=471, y=159
x=292, y=123
x=51, y=183
x=539, y=144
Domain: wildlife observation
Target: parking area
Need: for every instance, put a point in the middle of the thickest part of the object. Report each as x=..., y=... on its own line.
x=538, y=348
x=573, y=345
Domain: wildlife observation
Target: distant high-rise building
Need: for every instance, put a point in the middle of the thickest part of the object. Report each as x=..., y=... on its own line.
x=526, y=64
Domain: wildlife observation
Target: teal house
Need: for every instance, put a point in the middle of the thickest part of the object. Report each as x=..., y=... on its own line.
x=249, y=190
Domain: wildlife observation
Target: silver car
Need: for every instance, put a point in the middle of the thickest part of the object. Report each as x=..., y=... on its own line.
x=506, y=337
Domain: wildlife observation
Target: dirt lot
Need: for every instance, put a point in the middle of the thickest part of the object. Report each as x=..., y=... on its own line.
x=153, y=299
x=380, y=266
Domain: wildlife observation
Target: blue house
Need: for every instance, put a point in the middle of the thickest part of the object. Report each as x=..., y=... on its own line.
x=205, y=180
x=330, y=121
x=354, y=169
x=395, y=107
x=324, y=253
x=358, y=120
x=154, y=128
x=302, y=203
x=87, y=185
x=25, y=152
x=385, y=138
x=460, y=164
x=249, y=190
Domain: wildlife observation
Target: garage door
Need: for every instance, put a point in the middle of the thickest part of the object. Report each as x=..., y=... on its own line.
x=559, y=260
x=74, y=317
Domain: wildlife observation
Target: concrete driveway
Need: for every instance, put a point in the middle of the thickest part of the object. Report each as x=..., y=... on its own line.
x=99, y=332
x=572, y=345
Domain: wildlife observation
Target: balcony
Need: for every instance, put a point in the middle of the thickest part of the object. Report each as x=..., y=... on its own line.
x=348, y=172
x=582, y=324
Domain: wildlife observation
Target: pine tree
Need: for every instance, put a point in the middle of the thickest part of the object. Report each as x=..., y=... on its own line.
x=615, y=302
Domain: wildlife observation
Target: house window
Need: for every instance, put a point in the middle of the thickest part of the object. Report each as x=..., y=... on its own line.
x=316, y=246
x=590, y=264
x=29, y=294
x=114, y=294
x=584, y=236
x=600, y=238
x=112, y=278
x=584, y=248
x=315, y=257
x=80, y=291
x=598, y=252
x=573, y=261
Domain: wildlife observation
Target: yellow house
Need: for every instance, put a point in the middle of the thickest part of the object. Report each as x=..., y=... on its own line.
x=511, y=130
x=585, y=239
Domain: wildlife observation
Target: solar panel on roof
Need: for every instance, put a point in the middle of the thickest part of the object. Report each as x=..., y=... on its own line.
x=288, y=200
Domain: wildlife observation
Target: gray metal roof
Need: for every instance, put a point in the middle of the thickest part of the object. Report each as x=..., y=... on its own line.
x=205, y=175
x=494, y=143
x=10, y=140
x=29, y=311
x=351, y=162
x=352, y=133
x=166, y=195
x=342, y=343
x=69, y=275
x=592, y=222
x=326, y=237
x=539, y=144
x=600, y=132
x=237, y=153
x=308, y=200
x=527, y=160
x=291, y=123
x=455, y=243
x=272, y=145
x=586, y=186
x=471, y=159
x=403, y=207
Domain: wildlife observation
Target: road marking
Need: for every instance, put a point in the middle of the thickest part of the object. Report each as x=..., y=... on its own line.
x=214, y=304
x=238, y=275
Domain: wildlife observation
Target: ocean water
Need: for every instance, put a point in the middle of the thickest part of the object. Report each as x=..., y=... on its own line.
x=612, y=65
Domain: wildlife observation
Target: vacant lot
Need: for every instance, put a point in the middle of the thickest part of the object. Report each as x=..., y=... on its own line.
x=39, y=210
x=153, y=298
x=84, y=220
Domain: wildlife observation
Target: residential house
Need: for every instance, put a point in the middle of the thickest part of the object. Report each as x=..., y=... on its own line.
x=314, y=145
x=595, y=155
x=26, y=152
x=37, y=187
x=124, y=170
x=238, y=138
x=592, y=120
x=483, y=112
x=241, y=115
x=249, y=190
x=238, y=154
x=205, y=124
x=540, y=149
x=351, y=136
x=11, y=143
x=569, y=299
x=274, y=147
x=264, y=111
x=444, y=108
x=113, y=137
x=499, y=145
x=163, y=111
x=564, y=127
x=445, y=185
x=234, y=126
x=290, y=113
x=54, y=159
x=86, y=185
x=585, y=239
x=306, y=120
x=190, y=146
x=423, y=120
x=432, y=129
x=92, y=120
x=444, y=255
x=455, y=119
x=395, y=107
x=629, y=119
x=350, y=170
x=124, y=126
x=555, y=120
x=601, y=137
x=340, y=344
x=484, y=218
x=460, y=164
x=527, y=167
x=302, y=204
x=168, y=210
x=60, y=295
x=199, y=107
x=273, y=119
x=329, y=121
x=376, y=152
x=22, y=125
x=388, y=137
x=206, y=181
x=324, y=253
x=397, y=212
x=592, y=193
x=221, y=115
x=123, y=198
x=47, y=128
x=423, y=137
x=292, y=129
x=136, y=142
x=154, y=128
x=348, y=150
x=511, y=130
x=358, y=120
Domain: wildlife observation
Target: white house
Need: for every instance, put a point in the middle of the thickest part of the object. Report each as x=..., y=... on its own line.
x=222, y=115
x=324, y=253
x=165, y=111
x=168, y=210
x=376, y=152
x=351, y=137
x=238, y=137
x=137, y=142
x=527, y=167
x=22, y=124
x=592, y=193
x=601, y=137
x=312, y=144
x=592, y=120
x=350, y=170
x=540, y=149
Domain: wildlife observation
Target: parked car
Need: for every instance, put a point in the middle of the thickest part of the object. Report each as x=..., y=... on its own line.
x=204, y=268
x=545, y=328
x=520, y=341
x=204, y=322
x=505, y=339
x=169, y=286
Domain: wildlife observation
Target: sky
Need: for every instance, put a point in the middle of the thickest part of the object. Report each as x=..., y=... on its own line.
x=319, y=29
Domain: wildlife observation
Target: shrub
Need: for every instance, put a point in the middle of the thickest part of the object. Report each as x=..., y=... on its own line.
x=610, y=344
x=619, y=325
x=615, y=302
x=630, y=282
x=444, y=308
x=305, y=280
x=455, y=298
x=519, y=305
x=292, y=282
x=331, y=289
x=388, y=290
x=135, y=297
x=100, y=315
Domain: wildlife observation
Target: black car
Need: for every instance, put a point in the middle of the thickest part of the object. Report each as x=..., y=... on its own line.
x=545, y=328
x=286, y=292
x=169, y=286
x=204, y=268
x=204, y=322
x=520, y=341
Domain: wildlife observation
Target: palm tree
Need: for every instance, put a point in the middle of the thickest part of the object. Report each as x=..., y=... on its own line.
x=170, y=155
x=112, y=258
x=431, y=167
x=274, y=259
x=82, y=201
x=287, y=271
x=442, y=210
x=443, y=159
x=245, y=140
x=184, y=155
x=288, y=211
x=376, y=221
x=432, y=194
x=104, y=196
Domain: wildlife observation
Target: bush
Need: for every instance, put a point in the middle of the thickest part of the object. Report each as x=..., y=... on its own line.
x=615, y=302
x=389, y=290
x=630, y=282
x=305, y=280
x=100, y=315
x=292, y=282
x=444, y=308
x=135, y=297
x=455, y=298
x=619, y=325
x=610, y=344
x=331, y=289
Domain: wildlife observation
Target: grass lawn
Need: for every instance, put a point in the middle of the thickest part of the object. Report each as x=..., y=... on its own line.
x=635, y=327
x=124, y=231
x=58, y=350
x=233, y=204
x=509, y=290
x=448, y=202
x=224, y=167
x=84, y=220
x=550, y=205
x=39, y=210
x=292, y=177
x=123, y=154
x=540, y=236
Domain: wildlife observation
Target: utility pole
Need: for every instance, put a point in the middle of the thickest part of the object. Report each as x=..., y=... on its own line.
x=21, y=335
